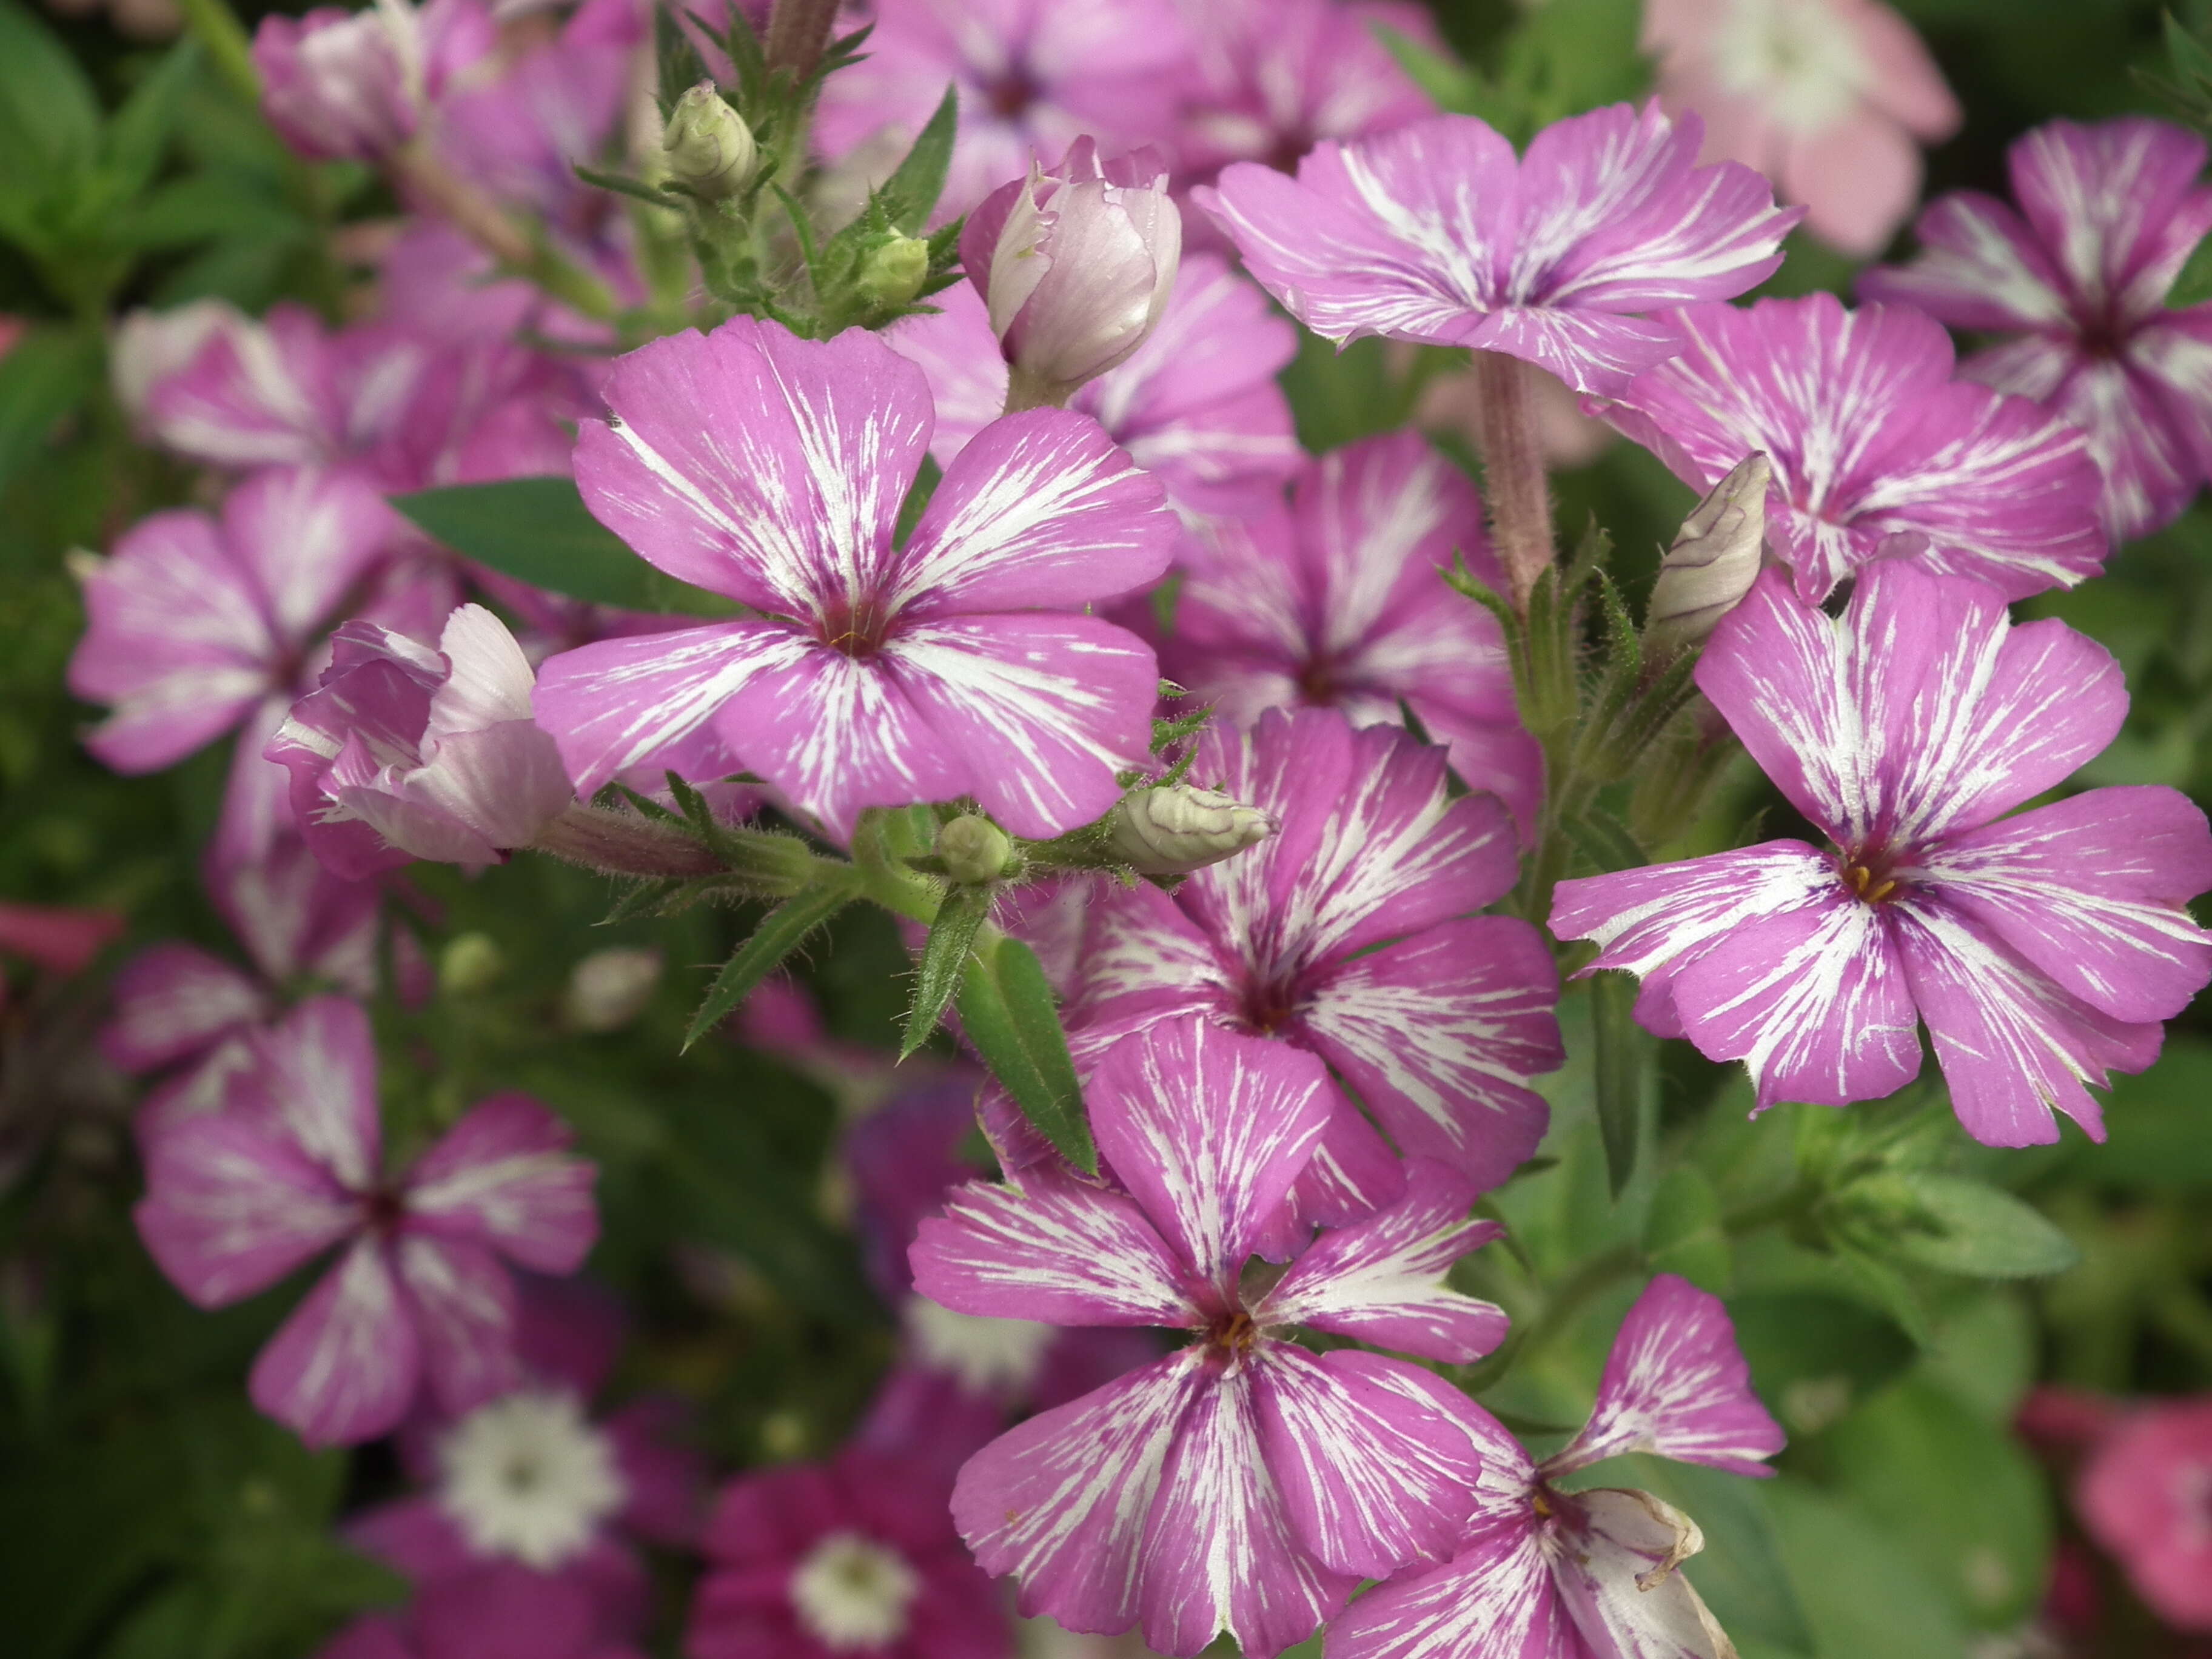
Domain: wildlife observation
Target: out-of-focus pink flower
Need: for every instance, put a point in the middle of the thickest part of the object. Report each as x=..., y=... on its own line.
x=2062, y=1420
x=353, y=85
x=825, y=1560
x=1439, y=233
x=58, y=938
x=1831, y=99
x=1074, y=265
x=2147, y=1498
x=1196, y=405
x=1341, y=603
x=1595, y=1572
x=2041, y=950
x=1307, y=1473
x=1870, y=438
x=404, y=752
x=1032, y=76
x=292, y=1165
x=497, y=1612
x=2078, y=275
x=771, y=469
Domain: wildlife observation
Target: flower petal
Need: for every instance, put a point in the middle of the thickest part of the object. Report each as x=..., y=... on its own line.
x=462, y=1305
x=2116, y=204
x=1615, y=1560
x=344, y=1366
x=1494, y=1600
x=503, y=1177
x=173, y=1002
x=230, y=1209
x=1979, y=266
x=314, y=1081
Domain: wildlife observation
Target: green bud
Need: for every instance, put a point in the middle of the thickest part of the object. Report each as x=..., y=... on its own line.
x=974, y=849
x=708, y=145
x=470, y=964
x=1174, y=829
x=894, y=271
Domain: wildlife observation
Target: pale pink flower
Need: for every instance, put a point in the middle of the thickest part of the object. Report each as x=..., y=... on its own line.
x=342, y=85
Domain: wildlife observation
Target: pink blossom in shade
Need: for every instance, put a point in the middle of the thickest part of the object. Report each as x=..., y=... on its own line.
x=2040, y=950
x=1277, y=76
x=1870, y=438
x=1242, y=1485
x=292, y=1165
x=194, y=620
x=1592, y=1573
x=148, y=347
x=2078, y=275
x=342, y=85
x=1437, y=232
x=855, y=1555
x=1196, y=404
x=496, y=1613
x=1340, y=602
x=404, y=752
x=1831, y=99
x=2146, y=1497
x=1032, y=76
x=771, y=469
x=60, y=938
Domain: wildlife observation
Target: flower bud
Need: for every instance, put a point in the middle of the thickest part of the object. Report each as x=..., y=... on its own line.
x=974, y=849
x=708, y=145
x=1075, y=266
x=893, y=273
x=610, y=988
x=1170, y=830
x=470, y=963
x=1712, y=563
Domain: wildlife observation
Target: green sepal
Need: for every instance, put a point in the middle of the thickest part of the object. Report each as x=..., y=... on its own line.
x=780, y=933
x=944, y=963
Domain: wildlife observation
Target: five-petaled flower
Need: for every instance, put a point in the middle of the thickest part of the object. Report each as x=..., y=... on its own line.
x=771, y=469
x=1243, y=1485
x=2041, y=950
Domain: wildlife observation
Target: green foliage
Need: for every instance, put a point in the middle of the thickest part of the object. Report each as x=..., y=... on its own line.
x=782, y=930
x=944, y=961
x=1008, y=1012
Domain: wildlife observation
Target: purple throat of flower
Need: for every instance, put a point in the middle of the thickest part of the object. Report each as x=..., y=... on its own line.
x=1870, y=875
x=857, y=628
x=1011, y=96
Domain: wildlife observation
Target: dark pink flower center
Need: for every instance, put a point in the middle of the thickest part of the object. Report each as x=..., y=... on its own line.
x=1269, y=1004
x=1318, y=684
x=386, y=1208
x=1234, y=1333
x=1869, y=875
x=1011, y=96
x=858, y=629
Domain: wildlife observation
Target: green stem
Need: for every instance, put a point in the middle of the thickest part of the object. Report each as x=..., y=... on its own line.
x=228, y=45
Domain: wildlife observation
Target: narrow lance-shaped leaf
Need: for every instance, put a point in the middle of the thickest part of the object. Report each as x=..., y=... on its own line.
x=1008, y=1012
x=944, y=960
x=1621, y=1051
x=910, y=194
x=780, y=933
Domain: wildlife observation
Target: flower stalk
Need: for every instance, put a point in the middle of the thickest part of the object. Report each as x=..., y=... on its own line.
x=1513, y=471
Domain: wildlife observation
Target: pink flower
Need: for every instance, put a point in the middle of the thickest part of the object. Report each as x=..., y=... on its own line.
x=1341, y=603
x=2078, y=275
x=817, y=1560
x=1243, y=1485
x=1592, y=1572
x=404, y=753
x=498, y=1612
x=1870, y=438
x=1277, y=76
x=2147, y=1498
x=1826, y=97
x=195, y=620
x=60, y=938
x=352, y=86
x=771, y=469
x=1349, y=932
x=1437, y=233
x=1074, y=267
x=2040, y=950
x=1196, y=404
x=1031, y=75
x=237, y=1198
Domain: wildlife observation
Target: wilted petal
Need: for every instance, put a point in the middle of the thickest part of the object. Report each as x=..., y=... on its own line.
x=343, y=1368
x=462, y=1305
x=503, y=1176
x=230, y=1209
x=1615, y=1560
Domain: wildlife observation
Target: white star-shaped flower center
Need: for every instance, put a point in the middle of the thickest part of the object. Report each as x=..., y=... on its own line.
x=529, y=1477
x=851, y=1593
x=1800, y=62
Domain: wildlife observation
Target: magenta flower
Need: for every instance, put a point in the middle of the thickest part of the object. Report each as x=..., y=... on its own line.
x=2040, y=950
x=1339, y=602
x=1594, y=1572
x=1437, y=233
x=343, y=85
x=1350, y=932
x=1870, y=438
x=2078, y=275
x=770, y=468
x=1032, y=76
x=1075, y=266
x=1243, y=1485
x=857, y=1555
x=2142, y=1497
x=1196, y=404
x=193, y=621
x=404, y=753
x=236, y=1200
x=1831, y=99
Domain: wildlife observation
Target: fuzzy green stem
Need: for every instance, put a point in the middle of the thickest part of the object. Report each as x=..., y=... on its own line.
x=625, y=844
x=1513, y=470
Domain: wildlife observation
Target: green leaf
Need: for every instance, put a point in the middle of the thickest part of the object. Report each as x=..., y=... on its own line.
x=1861, y=1591
x=1606, y=841
x=2157, y=1123
x=1622, y=1052
x=1006, y=1009
x=1959, y=1226
x=138, y=137
x=1683, y=1234
x=202, y=206
x=1455, y=87
x=48, y=374
x=49, y=115
x=944, y=960
x=1887, y=1289
x=909, y=195
x=538, y=530
x=1814, y=1356
x=916, y=501
x=780, y=933
x=2193, y=287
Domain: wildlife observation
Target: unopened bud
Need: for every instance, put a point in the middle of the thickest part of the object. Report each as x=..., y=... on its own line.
x=893, y=273
x=974, y=849
x=610, y=988
x=1712, y=563
x=470, y=963
x=708, y=145
x=1167, y=831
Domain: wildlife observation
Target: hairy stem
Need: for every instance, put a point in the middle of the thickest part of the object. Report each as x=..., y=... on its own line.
x=624, y=844
x=1027, y=392
x=797, y=33
x=1513, y=470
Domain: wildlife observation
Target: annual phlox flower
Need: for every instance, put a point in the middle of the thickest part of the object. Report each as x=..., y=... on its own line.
x=1244, y=1485
x=1592, y=1572
x=2040, y=950
x=2077, y=274
x=772, y=469
x=2143, y=1497
x=1437, y=233
x=292, y=1164
x=1870, y=438
x=341, y=85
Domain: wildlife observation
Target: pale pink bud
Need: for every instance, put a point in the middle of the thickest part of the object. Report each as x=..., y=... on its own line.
x=1713, y=562
x=1170, y=830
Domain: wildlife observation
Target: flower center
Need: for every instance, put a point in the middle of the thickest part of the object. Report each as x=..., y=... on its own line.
x=857, y=629
x=1269, y=1004
x=985, y=1354
x=1234, y=1333
x=851, y=1594
x=1317, y=683
x=1799, y=60
x=1011, y=96
x=1868, y=876
x=527, y=1477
